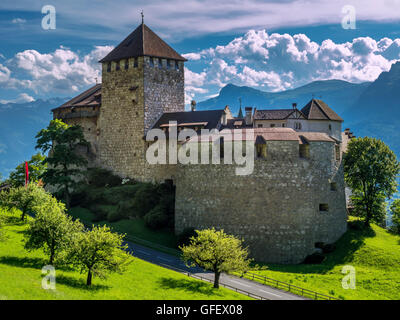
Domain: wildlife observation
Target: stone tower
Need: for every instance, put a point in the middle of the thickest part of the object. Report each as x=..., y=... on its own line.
x=142, y=78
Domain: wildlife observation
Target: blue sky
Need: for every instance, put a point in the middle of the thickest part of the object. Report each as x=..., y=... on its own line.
x=269, y=45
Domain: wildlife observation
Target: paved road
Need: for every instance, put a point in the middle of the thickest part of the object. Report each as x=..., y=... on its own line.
x=171, y=261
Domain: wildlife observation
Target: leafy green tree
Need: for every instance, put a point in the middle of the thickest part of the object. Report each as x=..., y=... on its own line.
x=36, y=167
x=24, y=198
x=99, y=252
x=52, y=230
x=216, y=251
x=65, y=164
x=395, y=211
x=370, y=169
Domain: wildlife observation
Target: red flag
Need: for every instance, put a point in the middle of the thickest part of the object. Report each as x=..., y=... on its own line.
x=26, y=173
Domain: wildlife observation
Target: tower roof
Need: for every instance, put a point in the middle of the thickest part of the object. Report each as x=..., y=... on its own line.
x=319, y=110
x=142, y=42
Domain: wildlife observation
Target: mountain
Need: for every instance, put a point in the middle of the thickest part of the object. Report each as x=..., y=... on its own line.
x=19, y=124
x=339, y=93
x=368, y=109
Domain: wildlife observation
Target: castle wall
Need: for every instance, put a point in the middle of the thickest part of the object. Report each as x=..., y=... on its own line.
x=275, y=209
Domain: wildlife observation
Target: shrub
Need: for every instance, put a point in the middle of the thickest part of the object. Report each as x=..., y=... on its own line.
x=146, y=198
x=99, y=177
x=113, y=214
x=185, y=235
x=315, y=258
x=156, y=218
x=126, y=208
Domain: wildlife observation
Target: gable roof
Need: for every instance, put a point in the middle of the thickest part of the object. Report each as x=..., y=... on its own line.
x=208, y=118
x=142, y=42
x=88, y=98
x=319, y=110
x=277, y=114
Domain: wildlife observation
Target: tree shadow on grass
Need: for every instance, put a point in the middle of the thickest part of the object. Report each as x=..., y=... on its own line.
x=14, y=220
x=346, y=247
x=80, y=283
x=189, y=286
x=27, y=262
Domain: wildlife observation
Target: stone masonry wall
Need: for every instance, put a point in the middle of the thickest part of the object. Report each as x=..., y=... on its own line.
x=275, y=209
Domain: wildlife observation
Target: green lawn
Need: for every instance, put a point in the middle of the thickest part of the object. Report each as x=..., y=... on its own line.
x=20, y=278
x=374, y=254
x=132, y=227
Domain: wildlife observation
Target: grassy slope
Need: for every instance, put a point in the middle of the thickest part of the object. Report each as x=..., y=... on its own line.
x=375, y=256
x=20, y=278
x=134, y=227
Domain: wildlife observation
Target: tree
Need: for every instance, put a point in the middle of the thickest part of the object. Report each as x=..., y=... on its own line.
x=216, y=251
x=65, y=164
x=395, y=211
x=36, y=167
x=24, y=198
x=370, y=169
x=52, y=230
x=99, y=252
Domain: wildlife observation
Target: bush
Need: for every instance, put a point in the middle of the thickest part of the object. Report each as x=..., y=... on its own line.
x=146, y=198
x=156, y=218
x=102, y=178
x=185, y=235
x=126, y=208
x=315, y=258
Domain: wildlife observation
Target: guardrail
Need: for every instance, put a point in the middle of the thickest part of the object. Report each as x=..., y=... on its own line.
x=196, y=276
x=287, y=287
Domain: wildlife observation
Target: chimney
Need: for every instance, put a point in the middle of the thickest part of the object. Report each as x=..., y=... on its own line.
x=248, y=118
x=193, y=105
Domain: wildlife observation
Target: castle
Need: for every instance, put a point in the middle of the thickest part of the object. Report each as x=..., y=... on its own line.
x=294, y=197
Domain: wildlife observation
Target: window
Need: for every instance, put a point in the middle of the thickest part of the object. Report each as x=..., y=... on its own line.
x=109, y=67
x=304, y=150
x=272, y=125
x=177, y=65
x=118, y=67
x=168, y=64
x=261, y=149
x=126, y=64
x=330, y=127
x=260, y=125
x=160, y=63
x=337, y=152
x=333, y=186
x=135, y=63
x=151, y=62
x=323, y=207
x=297, y=125
x=283, y=125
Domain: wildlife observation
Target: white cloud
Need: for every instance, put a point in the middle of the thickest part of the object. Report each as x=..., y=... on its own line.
x=183, y=18
x=18, y=21
x=61, y=71
x=192, y=56
x=276, y=62
x=22, y=98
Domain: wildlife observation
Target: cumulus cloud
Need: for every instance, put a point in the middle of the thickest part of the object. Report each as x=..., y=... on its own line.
x=22, y=98
x=276, y=62
x=62, y=71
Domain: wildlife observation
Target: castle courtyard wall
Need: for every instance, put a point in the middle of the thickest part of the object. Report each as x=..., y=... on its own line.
x=275, y=209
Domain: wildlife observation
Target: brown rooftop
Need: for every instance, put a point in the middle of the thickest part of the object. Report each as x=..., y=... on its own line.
x=89, y=98
x=319, y=110
x=142, y=42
